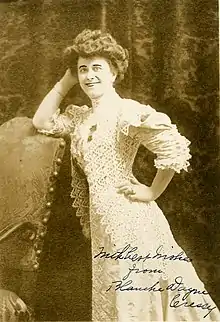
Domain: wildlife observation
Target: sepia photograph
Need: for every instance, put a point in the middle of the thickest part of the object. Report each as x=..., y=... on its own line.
x=109, y=161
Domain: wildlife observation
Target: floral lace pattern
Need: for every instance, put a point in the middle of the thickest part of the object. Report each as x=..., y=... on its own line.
x=156, y=132
x=119, y=127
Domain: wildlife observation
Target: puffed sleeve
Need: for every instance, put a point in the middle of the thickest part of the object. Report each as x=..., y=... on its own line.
x=155, y=131
x=64, y=123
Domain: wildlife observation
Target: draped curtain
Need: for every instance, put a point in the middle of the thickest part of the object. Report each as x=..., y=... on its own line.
x=173, y=47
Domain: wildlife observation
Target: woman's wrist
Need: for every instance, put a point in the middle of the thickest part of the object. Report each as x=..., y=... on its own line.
x=154, y=193
x=61, y=88
x=66, y=83
x=161, y=181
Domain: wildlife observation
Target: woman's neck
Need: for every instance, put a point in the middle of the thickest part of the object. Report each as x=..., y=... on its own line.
x=104, y=101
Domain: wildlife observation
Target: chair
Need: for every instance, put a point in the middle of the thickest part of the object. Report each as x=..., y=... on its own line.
x=29, y=168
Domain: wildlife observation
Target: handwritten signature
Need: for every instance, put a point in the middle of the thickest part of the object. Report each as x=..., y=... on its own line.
x=182, y=295
x=130, y=253
x=177, y=286
x=136, y=270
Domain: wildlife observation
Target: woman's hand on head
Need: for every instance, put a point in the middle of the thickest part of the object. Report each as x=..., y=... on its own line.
x=136, y=191
x=69, y=79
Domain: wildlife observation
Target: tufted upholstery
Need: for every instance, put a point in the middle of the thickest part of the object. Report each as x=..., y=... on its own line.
x=29, y=168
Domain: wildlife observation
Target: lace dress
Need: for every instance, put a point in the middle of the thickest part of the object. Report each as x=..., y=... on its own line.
x=139, y=272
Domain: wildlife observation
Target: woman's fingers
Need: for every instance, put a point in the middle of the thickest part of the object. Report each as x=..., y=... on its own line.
x=128, y=183
x=132, y=197
x=124, y=189
x=135, y=191
x=134, y=181
x=127, y=190
x=124, y=184
x=128, y=187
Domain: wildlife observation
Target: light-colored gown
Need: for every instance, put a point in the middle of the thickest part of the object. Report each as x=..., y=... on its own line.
x=161, y=287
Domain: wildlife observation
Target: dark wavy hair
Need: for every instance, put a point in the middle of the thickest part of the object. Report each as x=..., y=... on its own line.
x=97, y=43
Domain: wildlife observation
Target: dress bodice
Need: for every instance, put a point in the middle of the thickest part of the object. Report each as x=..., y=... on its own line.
x=105, y=154
x=104, y=141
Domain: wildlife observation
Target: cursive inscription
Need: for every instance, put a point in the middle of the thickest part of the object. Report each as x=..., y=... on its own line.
x=129, y=252
x=128, y=286
x=136, y=270
x=177, y=287
x=177, y=302
x=181, y=295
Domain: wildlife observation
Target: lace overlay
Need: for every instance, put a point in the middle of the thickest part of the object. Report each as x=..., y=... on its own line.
x=63, y=124
x=155, y=131
x=104, y=142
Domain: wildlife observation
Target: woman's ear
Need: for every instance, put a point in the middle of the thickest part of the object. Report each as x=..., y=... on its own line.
x=113, y=71
x=114, y=74
x=114, y=77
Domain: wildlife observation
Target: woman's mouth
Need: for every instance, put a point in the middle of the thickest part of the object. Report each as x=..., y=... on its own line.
x=91, y=84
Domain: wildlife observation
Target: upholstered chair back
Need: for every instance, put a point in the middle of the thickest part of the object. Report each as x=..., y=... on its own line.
x=29, y=168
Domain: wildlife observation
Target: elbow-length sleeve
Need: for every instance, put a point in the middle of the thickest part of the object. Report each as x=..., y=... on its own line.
x=63, y=123
x=155, y=131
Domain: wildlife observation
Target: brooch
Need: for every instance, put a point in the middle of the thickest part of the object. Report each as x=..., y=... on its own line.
x=92, y=129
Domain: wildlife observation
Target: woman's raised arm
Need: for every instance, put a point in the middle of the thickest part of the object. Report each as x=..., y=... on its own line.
x=42, y=119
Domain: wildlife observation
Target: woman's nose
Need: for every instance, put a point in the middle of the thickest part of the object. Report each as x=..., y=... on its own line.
x=90, y=74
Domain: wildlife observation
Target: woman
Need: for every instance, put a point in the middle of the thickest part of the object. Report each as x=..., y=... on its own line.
x=139, y=272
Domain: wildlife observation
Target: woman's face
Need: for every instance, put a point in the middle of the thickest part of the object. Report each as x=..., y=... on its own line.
x=96, y=76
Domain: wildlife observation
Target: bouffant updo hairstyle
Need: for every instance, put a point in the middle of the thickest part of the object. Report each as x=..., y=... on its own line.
x=97, y=43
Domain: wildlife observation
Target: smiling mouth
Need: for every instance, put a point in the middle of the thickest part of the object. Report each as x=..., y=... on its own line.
x=91, y=84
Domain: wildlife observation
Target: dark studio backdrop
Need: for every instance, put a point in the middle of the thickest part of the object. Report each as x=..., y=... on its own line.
x=173, y=47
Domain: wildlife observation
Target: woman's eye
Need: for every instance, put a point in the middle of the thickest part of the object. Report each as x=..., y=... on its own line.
x=96, y=68
x=82, y=70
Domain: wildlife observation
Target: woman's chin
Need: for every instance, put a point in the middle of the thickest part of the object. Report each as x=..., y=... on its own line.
x=94, y=94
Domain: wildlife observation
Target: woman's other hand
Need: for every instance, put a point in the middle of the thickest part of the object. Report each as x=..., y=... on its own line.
x=68, y=80
x=51, y=102
x=136, y=191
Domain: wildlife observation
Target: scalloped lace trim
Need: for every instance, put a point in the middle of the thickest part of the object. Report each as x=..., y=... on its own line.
x=80, y=193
